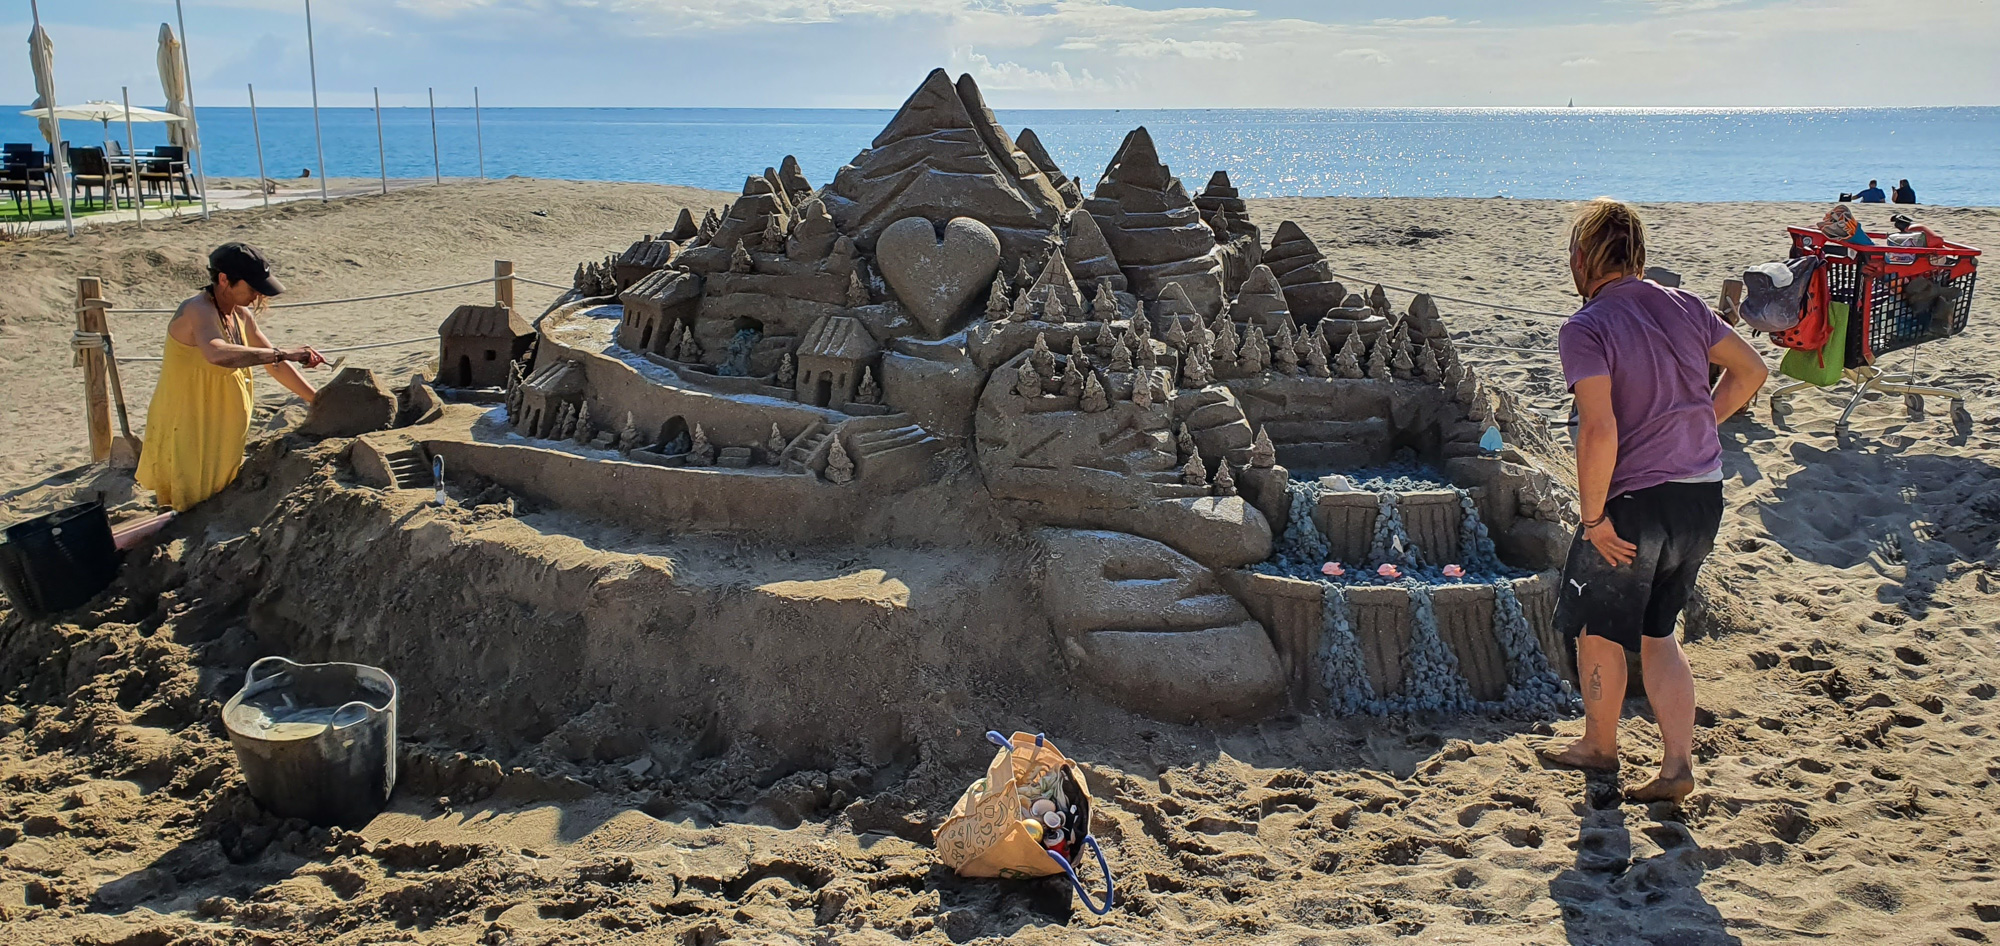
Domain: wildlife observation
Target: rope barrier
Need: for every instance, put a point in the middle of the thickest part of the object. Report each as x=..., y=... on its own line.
x=1529, y=351
x=106, y=305
x=537, y=282
x=1491, y=305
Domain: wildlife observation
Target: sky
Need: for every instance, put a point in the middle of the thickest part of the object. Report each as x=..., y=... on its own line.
x=1050, y=54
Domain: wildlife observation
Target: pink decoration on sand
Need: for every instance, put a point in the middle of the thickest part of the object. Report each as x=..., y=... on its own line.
x=1453, y=571
x=1333, y=569
x=1389, y=571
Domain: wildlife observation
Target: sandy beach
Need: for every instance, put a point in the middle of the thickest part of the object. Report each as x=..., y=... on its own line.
x=1845, y=654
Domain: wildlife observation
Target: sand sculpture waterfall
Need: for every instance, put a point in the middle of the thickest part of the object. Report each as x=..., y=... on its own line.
x=1245, y=488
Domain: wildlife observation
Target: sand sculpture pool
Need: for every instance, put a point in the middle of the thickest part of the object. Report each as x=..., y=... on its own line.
x=949, y=432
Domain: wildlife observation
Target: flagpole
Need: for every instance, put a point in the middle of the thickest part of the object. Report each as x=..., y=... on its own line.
x=55, y=147
x=132, y=161
x=479, y=132
x=312, y=63
x=437, y=172
x=194, y=126
x=257, y=135
x=381, y=150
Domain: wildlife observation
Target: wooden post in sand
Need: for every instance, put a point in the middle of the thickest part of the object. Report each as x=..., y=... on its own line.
x=96, y=380
x=503, y=282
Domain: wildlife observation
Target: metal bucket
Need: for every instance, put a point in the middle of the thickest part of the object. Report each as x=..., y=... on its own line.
x=316, y=741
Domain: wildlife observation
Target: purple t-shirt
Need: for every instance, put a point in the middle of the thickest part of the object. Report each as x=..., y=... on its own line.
x=1653, y=341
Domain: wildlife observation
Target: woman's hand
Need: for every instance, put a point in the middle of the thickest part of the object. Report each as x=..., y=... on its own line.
x=305, y=356
x=1604, y=537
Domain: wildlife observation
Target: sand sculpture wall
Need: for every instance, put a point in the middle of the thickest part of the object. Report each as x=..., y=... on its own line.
x=1131, y=382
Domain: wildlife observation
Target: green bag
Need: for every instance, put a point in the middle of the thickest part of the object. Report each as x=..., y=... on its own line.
x=1821, y=367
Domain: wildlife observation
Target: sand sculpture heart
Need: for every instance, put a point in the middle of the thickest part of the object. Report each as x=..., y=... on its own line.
x=937, y=278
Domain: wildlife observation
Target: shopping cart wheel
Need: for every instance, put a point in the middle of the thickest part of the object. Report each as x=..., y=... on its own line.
x=1913, y=405
x=1780, y=409
x=1959, y=414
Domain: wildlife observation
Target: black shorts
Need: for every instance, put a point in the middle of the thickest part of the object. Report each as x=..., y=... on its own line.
x=1674, y=526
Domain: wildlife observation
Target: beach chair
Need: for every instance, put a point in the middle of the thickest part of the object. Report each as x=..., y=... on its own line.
x=167, y=166
x=23, y=178
x=1898, y=297
x=88, y=171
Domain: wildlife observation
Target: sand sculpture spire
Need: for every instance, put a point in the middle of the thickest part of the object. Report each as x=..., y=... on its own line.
x=1154, y=229
x=1310, y=289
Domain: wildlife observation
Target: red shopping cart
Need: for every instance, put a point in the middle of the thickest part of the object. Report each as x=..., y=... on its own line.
x=1897, y=297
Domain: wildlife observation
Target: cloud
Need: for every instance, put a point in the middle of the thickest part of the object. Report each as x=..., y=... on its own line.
x=1012, y=76
x=1374, y=56
x=1704, y=36
x=1418, y=22
x=1185, y=49
x=1580, y=62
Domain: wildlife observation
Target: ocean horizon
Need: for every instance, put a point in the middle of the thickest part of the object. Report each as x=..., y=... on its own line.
x=1950, y=155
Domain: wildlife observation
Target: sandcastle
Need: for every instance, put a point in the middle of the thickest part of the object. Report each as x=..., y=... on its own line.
x=1250, y=488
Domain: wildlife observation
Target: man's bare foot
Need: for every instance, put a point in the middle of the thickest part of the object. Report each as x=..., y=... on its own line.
x=1579, y=756
x=1663, y=789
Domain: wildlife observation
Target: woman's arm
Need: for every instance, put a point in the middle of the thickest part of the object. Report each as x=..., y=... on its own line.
x=284, y=371
x=1743, y=372
x=1596, y=455
x=202, y=326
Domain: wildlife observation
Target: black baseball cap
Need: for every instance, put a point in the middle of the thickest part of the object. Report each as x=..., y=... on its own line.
x=242, y=263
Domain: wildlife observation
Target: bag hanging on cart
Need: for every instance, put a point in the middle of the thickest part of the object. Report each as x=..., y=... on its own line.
x=1821, y=366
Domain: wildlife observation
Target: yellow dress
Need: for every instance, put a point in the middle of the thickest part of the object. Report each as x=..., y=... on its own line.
x=195, y=428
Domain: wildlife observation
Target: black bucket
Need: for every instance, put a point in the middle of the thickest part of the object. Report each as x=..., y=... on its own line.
x=55, y=562
x=316, y=741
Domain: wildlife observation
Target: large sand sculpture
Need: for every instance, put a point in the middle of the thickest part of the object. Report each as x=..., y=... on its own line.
x=1043, y=443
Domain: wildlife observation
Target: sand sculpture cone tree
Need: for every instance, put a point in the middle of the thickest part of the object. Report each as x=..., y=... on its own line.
x=1043, y=359
x=1225, y=483
x=1378, y=358
x=1022, y=308
x=1400, y=363
x=1121, y=355
x=1315, y=358
x=787, y=371
x=1142, y=389
x=839, y=467
x=774, y=446
x=996, y=300
x=585, y=430
x=1072, y=381
x=1283, y=357
x=1094, y=399
x=868, y=392
x=1104, y=305
x=1028, y=381
x=1105, y=340
x=1225, y=345
x=1076, y=355
x=1263, y=455
x=1348, y=363
x=701, y=452
x=1194, y=473
x=944, y=155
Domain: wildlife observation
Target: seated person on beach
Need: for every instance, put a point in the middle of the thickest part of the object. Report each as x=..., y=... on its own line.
x=200, y=413
x=1905, y=194
x=1904, y=224
x=1649, y=471
x=1871, y=195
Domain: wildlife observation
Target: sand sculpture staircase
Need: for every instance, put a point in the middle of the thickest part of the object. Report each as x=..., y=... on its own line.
x=883, y=446
x=410, y=469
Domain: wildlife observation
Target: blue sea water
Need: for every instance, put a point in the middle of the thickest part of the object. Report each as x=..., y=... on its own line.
x=1951, y=155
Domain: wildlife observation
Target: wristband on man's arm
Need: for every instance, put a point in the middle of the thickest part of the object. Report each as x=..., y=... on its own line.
x=1594, y=523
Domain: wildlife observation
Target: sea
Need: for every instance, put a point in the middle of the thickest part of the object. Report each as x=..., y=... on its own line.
x=1950, y=155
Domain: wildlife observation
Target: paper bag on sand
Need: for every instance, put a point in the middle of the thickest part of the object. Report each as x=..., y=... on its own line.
x=984, y=835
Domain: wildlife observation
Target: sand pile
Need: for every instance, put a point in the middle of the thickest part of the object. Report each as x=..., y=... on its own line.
x=1845, y=658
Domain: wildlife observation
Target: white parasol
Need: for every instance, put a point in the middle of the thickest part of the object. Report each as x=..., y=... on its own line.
x=103, y=113
x=173, y=80
x=42, y=56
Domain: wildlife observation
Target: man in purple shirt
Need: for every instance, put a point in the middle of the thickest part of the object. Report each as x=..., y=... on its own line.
x=1649, y=472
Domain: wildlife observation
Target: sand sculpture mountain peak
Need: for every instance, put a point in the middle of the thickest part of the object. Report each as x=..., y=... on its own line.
x=1156, y=232
x=944, y=155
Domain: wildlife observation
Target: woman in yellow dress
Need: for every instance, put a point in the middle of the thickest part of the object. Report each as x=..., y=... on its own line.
x=200, y=414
